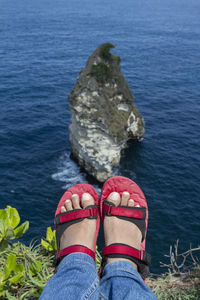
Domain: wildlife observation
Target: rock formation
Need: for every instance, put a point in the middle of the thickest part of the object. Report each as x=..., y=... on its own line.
x=104, y=117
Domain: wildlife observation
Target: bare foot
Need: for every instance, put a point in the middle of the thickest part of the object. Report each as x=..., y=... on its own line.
x=121, y=231
x=81, y=233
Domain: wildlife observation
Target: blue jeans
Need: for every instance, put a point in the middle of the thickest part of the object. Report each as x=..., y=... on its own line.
x=76, y=278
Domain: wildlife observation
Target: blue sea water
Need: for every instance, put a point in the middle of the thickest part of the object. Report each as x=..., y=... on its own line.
x=43, y=47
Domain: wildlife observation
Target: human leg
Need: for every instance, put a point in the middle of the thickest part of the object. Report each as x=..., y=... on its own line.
x=120, y=280
x=76, y=278
x=125, y=215
x=77, y=225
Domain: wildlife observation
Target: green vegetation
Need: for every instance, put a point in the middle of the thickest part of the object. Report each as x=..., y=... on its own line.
x=102, y=72
x=9, y=220
x=105, y=51
x=25, y=270
x=182, y=281
x=106, y=55
x=50, y=243
x=172, y=287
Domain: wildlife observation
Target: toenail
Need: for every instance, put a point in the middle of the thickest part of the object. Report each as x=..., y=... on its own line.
x=67, y=201
x=131, y=200
x=86, y=196
x=74, y=195
x=137, y=205
x=114, y=196
x=126, y=193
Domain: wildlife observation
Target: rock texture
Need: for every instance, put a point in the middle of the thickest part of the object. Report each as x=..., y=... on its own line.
x=104, y=117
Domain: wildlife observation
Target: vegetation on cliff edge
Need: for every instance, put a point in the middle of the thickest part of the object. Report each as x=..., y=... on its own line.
x=103, y=71
x=25, y=270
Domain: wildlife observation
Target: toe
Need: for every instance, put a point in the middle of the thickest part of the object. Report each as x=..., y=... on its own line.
x=125, y=197
x=114, y=197
x=87, y=200
x=75, y=201
x=68, y=205
x=131, y=202
x=63, y=209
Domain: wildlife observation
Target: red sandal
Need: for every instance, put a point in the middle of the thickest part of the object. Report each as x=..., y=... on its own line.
x=63, y=220
x=137, y=215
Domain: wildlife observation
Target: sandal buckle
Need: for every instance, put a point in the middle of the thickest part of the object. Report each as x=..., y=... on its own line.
x=142, y=254
x=107, y=209
x=92, y=214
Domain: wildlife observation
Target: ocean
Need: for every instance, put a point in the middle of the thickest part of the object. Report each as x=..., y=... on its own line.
x=43, y=47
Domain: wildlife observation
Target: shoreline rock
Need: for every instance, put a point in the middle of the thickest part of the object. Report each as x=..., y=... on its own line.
x=104, y=117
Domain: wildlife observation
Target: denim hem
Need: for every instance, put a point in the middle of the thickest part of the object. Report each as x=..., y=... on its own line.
x=76, y=278
x=121, y=265
x=75, y=257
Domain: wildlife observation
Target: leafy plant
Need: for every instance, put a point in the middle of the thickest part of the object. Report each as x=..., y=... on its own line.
x=50, y=243
x=12, y=273
x=24, y=271
x=9, y=220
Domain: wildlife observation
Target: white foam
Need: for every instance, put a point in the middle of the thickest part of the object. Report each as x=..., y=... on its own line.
x=68, y=172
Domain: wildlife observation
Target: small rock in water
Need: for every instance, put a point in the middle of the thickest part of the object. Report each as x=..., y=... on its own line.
x=104, y=117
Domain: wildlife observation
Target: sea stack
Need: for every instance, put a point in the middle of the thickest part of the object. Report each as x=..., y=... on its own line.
x=103, y=116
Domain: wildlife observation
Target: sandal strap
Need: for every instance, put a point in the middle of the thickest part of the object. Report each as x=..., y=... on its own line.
x=136, y=215
x=129, y=212
x=60, y=254
x=66, y=219
x=76, y=214
x=140, y=257
x=125, y=250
